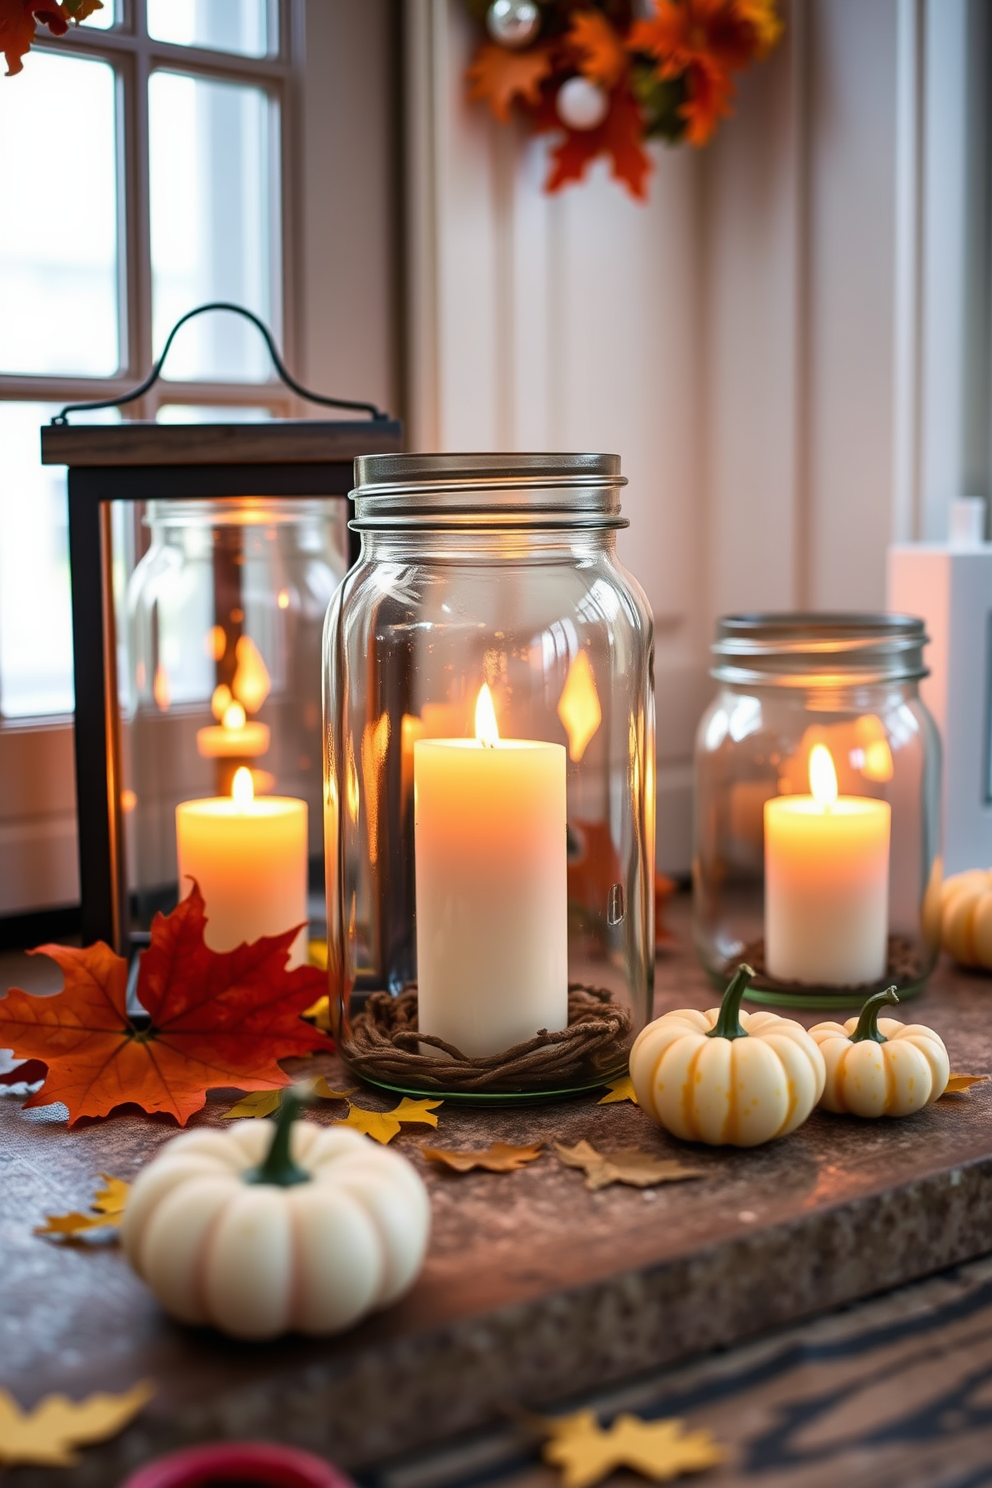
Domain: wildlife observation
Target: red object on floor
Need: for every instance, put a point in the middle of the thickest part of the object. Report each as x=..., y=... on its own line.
x=248, y=1464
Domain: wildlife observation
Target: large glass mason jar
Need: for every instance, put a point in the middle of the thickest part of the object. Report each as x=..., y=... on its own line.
x=817, y=828
x=220, y=673
x=489, y=779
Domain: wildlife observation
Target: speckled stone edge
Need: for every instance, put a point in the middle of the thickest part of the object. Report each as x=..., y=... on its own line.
x=411, y=1393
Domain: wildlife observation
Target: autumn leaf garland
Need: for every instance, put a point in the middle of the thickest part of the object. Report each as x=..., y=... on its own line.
x=18, y=18
x=669, y=75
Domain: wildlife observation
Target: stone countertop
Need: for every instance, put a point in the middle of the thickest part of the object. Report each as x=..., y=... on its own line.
x=534, y=1288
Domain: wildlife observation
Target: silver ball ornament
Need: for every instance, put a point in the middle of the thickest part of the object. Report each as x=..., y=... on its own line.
x=581, y=104
x=513, y=23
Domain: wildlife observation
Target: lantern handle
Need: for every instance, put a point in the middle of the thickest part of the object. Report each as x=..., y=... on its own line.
x=370, y=408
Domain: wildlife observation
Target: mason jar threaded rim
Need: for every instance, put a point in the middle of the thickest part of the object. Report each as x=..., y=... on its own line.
x=498, y=490
x=827, y=649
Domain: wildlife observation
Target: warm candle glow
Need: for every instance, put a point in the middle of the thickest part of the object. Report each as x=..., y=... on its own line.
x=242, y=788
x=822, y=777
x=234, y=716
x=252, y=683
x=578, y=706
x=486, y=728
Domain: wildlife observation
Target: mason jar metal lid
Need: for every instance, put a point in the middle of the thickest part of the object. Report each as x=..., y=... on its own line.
x=819, y=649
x=488, y=489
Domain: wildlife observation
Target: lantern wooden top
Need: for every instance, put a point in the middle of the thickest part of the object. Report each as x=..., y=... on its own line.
x=275, y=442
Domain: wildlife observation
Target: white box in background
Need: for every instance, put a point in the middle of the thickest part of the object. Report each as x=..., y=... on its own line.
x=949, y=585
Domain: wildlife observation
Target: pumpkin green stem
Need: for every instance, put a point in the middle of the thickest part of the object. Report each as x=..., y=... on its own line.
x=278, y=1166
x=728, y=1024
x=868, y=1022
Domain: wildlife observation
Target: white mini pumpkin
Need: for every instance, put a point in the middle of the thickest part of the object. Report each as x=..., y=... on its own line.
x=260, y=1231
x=879, y=1066
x=727, y=1077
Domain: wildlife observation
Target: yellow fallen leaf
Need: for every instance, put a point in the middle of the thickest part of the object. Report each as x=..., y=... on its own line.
x=319, y=1013
x=317, y=956
x=499, y=1158
x=620, y=1090
x=383, y=1126
x=958, y=1083
x=658, y=1450
x=255, y=1103
x=260, y=1103
x=108, y=1206
x=639, y=1169
x=321, y=1088
x=46, y=1435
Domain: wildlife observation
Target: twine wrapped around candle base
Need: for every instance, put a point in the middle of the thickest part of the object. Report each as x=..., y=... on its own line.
x=384, y=1044
x=903, y=966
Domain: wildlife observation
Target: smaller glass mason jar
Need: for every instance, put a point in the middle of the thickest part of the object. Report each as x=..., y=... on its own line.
x=817, y=811
x=221, y=673
x=489, y=779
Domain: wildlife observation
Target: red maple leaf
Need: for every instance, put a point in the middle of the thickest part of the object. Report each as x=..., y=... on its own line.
x=619, y=136
x=599, y=52
x=17, y=24
x=216, y=1019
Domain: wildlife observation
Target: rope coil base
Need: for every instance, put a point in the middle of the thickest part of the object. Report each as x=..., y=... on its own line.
x=385, y=1044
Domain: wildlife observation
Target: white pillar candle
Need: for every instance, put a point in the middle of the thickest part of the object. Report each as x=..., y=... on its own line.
x=249, y=858
x=492, y=911
x=826, y=883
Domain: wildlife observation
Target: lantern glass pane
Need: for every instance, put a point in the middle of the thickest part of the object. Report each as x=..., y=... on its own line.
x=214, y=222
x=58, y=242
x=103, y=19
x=240, y=26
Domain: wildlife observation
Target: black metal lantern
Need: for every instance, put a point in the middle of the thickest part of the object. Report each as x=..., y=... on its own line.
x=210, y=660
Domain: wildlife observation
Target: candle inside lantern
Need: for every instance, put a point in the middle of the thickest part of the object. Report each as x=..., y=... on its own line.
x=492, y=931
x=234, y=737
x=249, y=858
x=826, y=883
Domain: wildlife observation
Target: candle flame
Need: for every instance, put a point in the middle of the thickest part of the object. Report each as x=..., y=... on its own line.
x=486, y=728
x=220, y=700
x=242, y=788
x=822, y=776
x=252, y=683
x=234, y=716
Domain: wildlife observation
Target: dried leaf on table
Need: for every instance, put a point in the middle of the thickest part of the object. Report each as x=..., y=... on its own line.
x=619, y=1090
x=319, y=1013
x=658, y=1450
x=501, y=1157
x=46, y=1435
x=383, y=1126
x=957, y=1084
x=108, y=1208
x=639, y=1169
x=498, y=76
x=262, y=1103
x=215, y=1019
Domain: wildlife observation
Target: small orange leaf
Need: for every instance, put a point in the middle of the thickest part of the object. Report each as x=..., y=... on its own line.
x=46, y=1435
x=108, y=1208
x=620, y=1090
x=660, y=1450
x=599, y=50
x=957, y=1084
x=639, y=1169
x=499, y=77
x=501, y=1157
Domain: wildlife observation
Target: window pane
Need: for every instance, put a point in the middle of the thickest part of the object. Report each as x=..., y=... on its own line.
x=215, y=222
x=58, y=232
x=223, y=25
x=35, y=615
x=102, y=20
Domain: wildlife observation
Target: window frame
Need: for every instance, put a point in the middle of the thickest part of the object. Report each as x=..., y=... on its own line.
x=38, y=861
x=134, y=56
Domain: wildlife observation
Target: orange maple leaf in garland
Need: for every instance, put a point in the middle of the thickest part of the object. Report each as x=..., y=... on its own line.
x=215, y=1019
x=499, y=77
x=598, y=50
x=17, y=24
x=704, y=41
